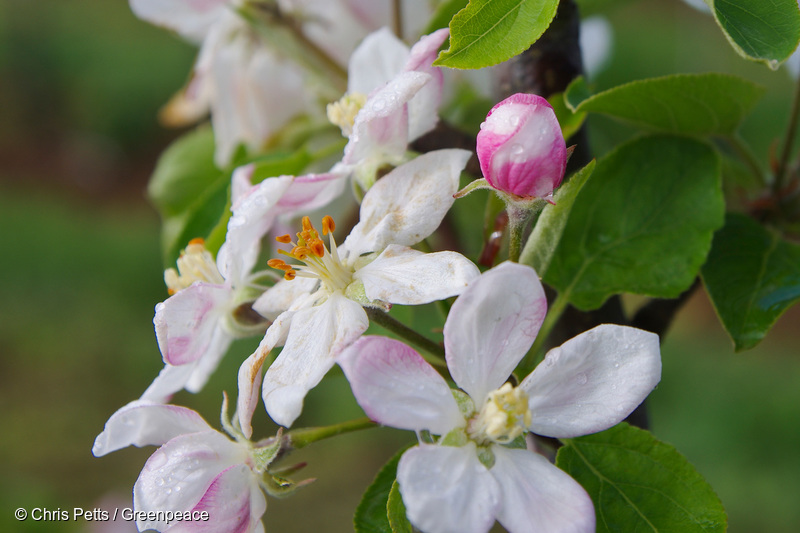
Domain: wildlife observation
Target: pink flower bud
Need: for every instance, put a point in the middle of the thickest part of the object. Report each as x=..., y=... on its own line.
x=521, y=148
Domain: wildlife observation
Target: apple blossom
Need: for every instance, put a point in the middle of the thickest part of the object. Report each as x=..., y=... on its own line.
x=195, y=469
x=317, y=310
x=209, y=306
x=469, y=477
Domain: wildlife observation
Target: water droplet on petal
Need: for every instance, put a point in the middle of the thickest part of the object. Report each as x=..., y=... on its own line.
x=157, y=460
x=582, y=379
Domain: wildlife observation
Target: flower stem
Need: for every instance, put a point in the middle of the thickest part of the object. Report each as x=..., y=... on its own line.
x=389, y=323
x=305, y=436
x=535, y=354
x=788, y=142
x=517, y=220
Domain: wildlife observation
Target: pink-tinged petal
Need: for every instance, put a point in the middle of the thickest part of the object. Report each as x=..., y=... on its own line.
x=538, y=497
x=521, y=148
x=252, y=217
x=402, y=275
x=491, y=327
x=283, y=296
x=593, y=381
x=380, y=129
x=446, y=489
x=144, y=423
x=250, y=376
x=378, y=59
x=233, y=501
x=317, y=335
x=190, y=18
x=177, y=475
x=396, y=387
x=423, y=109
x=313, y=191
x=186, y=322
x=409, y=203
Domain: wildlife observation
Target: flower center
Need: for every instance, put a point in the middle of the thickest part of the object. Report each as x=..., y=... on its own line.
x=318, y=261
x=343, y=113
x=504, y=417
x=194, y=264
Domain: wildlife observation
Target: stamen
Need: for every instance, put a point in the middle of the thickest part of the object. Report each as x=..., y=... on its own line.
x=285, y=239
x=197, y=240
x=328, y=225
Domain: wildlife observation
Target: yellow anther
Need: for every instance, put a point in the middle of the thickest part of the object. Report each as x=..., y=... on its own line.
x=285, y=239
x=328, y=225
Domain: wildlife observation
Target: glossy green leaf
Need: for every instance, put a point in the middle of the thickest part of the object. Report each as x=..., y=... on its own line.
x=488, y=32
x=544, y=239
x=569, y=121
x=642, y=224
x=638, y=483
x=396, y=511
x=697, y=104
x=752, y=276
x=761, y=30
x=372, y=513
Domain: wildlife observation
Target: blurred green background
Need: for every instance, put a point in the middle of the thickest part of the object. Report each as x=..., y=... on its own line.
x=80, y=85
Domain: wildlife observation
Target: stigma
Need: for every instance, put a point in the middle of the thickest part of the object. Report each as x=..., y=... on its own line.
x=343, y=112
x=504, y=416
x=317, y=260
x=194, y=264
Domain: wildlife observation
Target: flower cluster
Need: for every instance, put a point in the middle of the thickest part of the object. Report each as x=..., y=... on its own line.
x=315, y=296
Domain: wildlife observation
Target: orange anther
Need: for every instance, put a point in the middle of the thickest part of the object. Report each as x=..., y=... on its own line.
x=300, y=252
x=290, y=275
x=328, y=225
x=171, y=291
x=307, y=224
x=197, y=240
x=276, y=263
x=285, y=239
x=318, y=248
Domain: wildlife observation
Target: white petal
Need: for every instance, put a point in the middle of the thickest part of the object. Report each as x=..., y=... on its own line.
x=144, y=423
x=409, y=203
x=249, y=378
x=423, y=109
x=378, y=59
x=537, y=496
x=177, y=475
x=491, y=327
x=396, y=387
x=317, y=335
x=234, y=502
x=593, y=381
x=313, y=191
x=189, y=18
x=186, y=322
x=401, y=275
x=207, y=365
x=252, y=217
x=170, y=380
x=380, y=129
x=447, y=490
x=284, y=295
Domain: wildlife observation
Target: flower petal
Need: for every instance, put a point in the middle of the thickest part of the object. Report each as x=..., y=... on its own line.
x=190, y=18
x=186, y=322
x=401, y=275
x=537, y=496
x=593, y=381
x=317, y=335
x=446, y=489
x=423, y=109
x=491, y=327
x=284, y=295
x=170, y=380
x=234, y=503
x=409, y=203
x=378, y=59
x=177, y=475
x=396, y=387
x=144, y=423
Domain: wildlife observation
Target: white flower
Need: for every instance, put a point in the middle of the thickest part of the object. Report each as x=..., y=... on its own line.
x=320, y=312
x=196, y=325
x=196, y=469
x=469, y=478
x=393, y=98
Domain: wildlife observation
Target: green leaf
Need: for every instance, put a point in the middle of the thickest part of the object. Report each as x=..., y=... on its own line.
x=752, y=276
x=638, y=483
x=376, y=506
x=761, y=30
x=396, y=511
x=569, y=121
x=642, y=224
x=697, y=104
x=488, y=32
x=548, y=230
x=444, y=14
